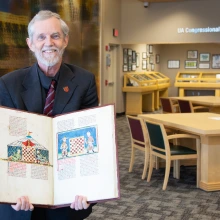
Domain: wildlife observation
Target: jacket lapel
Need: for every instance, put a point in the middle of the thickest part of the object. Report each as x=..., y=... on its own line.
x=31, y=94
x=65, y=89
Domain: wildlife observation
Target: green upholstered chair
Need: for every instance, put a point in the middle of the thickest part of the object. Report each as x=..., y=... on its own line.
x=160, y=147
x=139, y=141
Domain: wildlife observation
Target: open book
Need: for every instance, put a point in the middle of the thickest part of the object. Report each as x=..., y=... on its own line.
x=51, y=160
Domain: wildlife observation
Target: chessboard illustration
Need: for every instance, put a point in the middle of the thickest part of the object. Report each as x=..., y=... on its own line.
x=28, y=150
x=77, y=142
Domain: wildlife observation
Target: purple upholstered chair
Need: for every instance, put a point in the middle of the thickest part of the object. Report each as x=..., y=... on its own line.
x=186, y=106
x=139, y=141
x=167, y=105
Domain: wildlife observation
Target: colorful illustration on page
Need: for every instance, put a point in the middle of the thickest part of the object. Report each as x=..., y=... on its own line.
x=77, y=142
x=28, y=150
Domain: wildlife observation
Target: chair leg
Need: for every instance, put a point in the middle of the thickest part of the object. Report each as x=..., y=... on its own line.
x=156, y=162
x=146, y=161
x=167, y=173
x=132, y=158
x=198, y=174
x=177, y=169
x=176, y=163
x=174, y=169
x=150, y=168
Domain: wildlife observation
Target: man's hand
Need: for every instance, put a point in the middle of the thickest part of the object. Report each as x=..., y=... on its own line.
x=23, y=204
x=80, y=203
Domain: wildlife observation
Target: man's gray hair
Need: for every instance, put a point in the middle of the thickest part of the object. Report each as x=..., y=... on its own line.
x=43, y=15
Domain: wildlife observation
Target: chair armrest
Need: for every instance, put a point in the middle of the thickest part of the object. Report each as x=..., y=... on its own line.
x=174, y=136
x=174, y=101
x=200, y=107
x=175, y=105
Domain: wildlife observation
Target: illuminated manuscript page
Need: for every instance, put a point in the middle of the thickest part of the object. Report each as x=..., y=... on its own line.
x=25, y=157
x=85, y=160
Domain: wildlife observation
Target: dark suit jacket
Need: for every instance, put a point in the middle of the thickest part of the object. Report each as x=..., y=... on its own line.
x=21, y=89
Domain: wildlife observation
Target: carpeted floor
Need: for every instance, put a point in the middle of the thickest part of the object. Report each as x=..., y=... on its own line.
x=141, y=200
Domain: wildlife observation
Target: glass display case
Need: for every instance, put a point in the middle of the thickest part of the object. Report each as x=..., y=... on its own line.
x=162, y=80
x=187, y=77
x=143, y=91
x=139, y=90
x=139, y=80
x=198, y=81
x=210, y=77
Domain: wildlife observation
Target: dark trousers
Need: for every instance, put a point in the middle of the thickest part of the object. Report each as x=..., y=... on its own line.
x=66, y=213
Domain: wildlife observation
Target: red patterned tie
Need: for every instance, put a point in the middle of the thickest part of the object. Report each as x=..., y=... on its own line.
x=48, y=108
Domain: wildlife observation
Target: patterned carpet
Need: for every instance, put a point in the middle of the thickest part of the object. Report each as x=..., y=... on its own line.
x=141, y=200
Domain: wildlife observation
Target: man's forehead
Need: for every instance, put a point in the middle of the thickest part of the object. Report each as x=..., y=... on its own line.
x=47, y=33
x=48, y=25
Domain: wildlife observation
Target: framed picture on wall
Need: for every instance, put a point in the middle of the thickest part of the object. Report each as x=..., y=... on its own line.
x=173, y=64
x=192, y=54
x=216, y=61
x=125, y=68
x=151, y=59
x=190, y=64
x=152, y=67
x=133, y=67
x=130, y=52
x=150, y=49
x=157, y=58
x=125, y=59
x=144, y=64
x=133, y=56
x=204, y=65
x=129, y=60
x=204, y=57
x=125, y=51
x=137, y=59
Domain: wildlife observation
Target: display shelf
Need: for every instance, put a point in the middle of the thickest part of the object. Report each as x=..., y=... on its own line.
x=198, y=81
x=141, y=80
x=143, y=91
x=162, y=80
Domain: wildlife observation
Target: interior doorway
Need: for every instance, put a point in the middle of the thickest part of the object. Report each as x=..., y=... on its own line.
x=111, y=83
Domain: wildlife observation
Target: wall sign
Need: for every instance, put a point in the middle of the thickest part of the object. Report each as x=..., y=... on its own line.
x=197, y=30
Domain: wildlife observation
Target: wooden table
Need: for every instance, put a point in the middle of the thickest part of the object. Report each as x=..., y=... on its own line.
x=213, y=102
x=207, y=126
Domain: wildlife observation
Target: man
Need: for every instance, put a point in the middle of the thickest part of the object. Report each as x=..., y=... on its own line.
x=27, y=88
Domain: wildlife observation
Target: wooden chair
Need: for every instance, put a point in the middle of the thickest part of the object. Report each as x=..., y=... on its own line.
x=139, y=141
x=186, y=106
x=160, y=147
x=168, y=105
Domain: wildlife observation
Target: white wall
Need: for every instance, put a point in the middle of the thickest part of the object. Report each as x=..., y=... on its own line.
x=159, y=22
x=111, y=18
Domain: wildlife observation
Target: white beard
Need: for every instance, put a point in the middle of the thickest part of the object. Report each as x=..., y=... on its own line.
x=49, y=60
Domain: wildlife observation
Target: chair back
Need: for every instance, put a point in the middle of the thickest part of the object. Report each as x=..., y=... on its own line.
x=185, y=106
x=135, y=126
x=155, y=135
x=166, y=105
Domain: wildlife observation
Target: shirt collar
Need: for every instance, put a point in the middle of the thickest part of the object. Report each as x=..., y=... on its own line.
x=45, y=80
